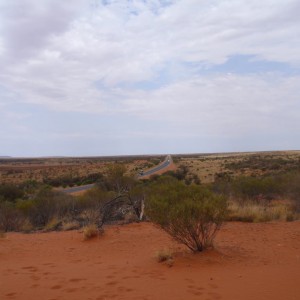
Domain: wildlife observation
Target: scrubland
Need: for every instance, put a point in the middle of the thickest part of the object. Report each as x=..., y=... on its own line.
x=258, y=187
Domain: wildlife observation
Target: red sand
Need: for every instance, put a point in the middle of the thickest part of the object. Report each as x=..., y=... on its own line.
x=250, y=261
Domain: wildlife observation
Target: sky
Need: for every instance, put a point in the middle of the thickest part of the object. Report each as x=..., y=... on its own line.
x=126, y=77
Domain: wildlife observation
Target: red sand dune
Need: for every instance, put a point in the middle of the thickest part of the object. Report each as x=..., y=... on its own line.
x=250, y=261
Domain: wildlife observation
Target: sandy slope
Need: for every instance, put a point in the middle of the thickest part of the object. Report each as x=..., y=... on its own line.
x=251, y=261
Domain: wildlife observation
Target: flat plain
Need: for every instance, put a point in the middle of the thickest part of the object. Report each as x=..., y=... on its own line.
x=206, y=166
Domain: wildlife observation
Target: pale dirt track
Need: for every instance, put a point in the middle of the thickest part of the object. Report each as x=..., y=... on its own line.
x=251, y=261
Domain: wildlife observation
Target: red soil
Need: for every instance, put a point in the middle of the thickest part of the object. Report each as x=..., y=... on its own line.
x=250, y=261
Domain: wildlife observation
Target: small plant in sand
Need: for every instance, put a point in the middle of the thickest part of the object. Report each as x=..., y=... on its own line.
x=91, y=231
x=2, y=235
x=166, y=256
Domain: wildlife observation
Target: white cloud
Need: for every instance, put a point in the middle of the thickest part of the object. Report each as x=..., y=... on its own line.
x=233, y=104
x=28, y=24
x=88, y=56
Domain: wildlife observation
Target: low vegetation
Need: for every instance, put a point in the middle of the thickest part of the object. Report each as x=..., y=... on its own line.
x=249, y=188
x=91, y=231
x=254, y=212
x=192, y=215
x=261, y=198
x=165, y=256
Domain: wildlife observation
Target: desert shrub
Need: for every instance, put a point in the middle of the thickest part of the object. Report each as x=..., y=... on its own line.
x=196, y=179
x=93, y=198
x=91, y=231
x=244, y=188
x=154, y=177
x=164, y=255
x=192, y=215
x=252, y=187
x=116, y=177
x=24, y=206
x=290, y=186
x=90, y=205
x=29, y=188
x=262, y=190
x=69, y=180
x=48, y=204
x=10, y=218
x=118, y=198
x=11, y=193
x=180, y=173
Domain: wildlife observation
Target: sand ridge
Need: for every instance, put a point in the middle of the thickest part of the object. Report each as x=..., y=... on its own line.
x=250, y=261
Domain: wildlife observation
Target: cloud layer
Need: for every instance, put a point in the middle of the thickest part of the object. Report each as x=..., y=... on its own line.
x=161, y=63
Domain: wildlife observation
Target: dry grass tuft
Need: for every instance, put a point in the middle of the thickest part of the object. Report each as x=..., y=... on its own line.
x=165, y=256
x=72, y=225
x=91, y=231
x=253, y=212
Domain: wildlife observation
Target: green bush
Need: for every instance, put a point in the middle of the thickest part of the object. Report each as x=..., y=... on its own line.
x=46, y=205
x=9, y=192
x=10, y=218
x=192, y=215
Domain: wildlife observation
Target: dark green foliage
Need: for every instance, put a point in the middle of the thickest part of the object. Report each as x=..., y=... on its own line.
x=70, y=181
x=284, y=185
x=190, y=214
x=90, y=205
x=155, y=161
x=182, y=173
x=111, y=199
x=290, y=186
x=252, y=187
x=117, y=180
x=46, y=205
x=10, y=218
x=10, y=193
